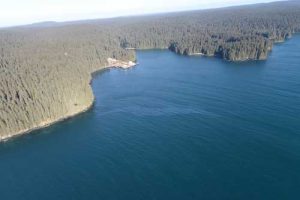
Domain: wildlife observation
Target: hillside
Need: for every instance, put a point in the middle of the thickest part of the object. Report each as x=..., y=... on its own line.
x=45, y=71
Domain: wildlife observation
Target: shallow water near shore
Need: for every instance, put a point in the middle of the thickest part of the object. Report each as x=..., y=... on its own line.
x=173, y=127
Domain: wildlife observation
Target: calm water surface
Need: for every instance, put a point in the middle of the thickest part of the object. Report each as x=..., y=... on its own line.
x=174, y=127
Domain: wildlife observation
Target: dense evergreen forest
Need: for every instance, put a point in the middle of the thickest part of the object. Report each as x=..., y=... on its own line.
x=45, y=70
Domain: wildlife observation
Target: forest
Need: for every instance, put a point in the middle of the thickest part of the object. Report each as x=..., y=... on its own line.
x=45, y=71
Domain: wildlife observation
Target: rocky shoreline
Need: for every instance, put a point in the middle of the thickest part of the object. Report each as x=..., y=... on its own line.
x=120, y=64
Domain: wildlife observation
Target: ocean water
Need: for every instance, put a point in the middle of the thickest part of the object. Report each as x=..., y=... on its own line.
x=174, y=127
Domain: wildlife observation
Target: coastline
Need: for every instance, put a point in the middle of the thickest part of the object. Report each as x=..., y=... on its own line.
x=112, y=63
x=46, y=124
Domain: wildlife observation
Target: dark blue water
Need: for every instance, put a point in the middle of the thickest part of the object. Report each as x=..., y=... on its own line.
x=174, y=127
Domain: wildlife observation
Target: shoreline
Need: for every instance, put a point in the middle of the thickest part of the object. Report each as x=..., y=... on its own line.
x=46, y=124
x=112, y=63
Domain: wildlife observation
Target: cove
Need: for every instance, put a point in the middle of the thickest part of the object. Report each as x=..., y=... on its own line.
x=174, y=127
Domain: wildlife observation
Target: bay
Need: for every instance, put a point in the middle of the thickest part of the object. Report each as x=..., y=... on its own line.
x=173, y=127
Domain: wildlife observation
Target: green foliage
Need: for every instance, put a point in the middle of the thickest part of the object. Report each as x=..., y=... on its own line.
x=45, y=70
